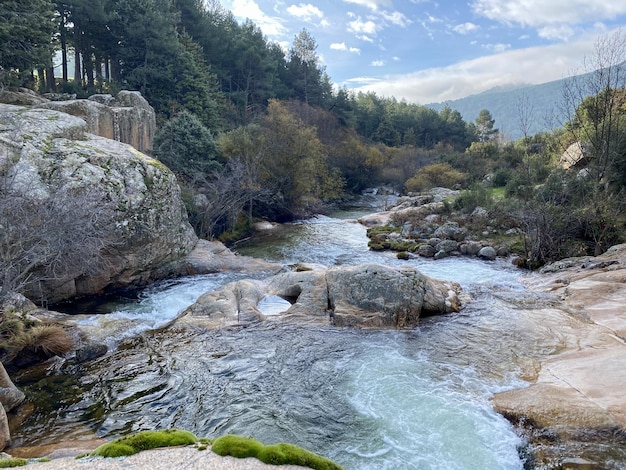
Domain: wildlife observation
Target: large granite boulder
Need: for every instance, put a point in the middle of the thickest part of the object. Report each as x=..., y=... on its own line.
x=127, y=117
x=369, y=296
x=43, y=151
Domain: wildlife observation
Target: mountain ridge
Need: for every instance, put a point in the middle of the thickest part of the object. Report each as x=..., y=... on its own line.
x=543, y=105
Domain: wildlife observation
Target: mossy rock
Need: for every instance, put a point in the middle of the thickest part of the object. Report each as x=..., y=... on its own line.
x=376, y=246
x=145, y=440
x=10, y=463
x=382, y=230
x=277, y=454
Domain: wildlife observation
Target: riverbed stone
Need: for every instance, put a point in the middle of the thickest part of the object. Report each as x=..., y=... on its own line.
x=488, y=253
x=451, y=231
x=434, y=241
x=470, y=248
x=426, y=250
x=446, y=246
x=368, y=296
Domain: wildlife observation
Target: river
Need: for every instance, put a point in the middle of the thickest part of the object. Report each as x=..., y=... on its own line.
x=415, y=399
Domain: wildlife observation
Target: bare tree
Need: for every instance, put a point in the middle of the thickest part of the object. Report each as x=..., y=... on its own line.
x=233, y=190
x=53, y=237
x=592, y=102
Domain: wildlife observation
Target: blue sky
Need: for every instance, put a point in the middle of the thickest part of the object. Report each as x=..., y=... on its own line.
x=429, y=51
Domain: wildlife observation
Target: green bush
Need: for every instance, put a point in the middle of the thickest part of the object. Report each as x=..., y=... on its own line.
x=145, y=440
x=277, y=454
x=187, y=147
x=433, y=175
x=477, y=196
x=501, y=177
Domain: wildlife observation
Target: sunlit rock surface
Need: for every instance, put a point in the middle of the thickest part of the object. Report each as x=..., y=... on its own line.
x=127, y=117
x=582, y=384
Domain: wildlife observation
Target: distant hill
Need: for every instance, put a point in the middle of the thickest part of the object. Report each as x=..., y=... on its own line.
x=544, y=105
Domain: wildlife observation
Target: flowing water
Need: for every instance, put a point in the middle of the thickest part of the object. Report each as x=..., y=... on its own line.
x=415, y=399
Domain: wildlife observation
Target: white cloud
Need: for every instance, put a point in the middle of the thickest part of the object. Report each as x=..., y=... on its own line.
x=498, y=48
x=377, y=63
x=306, y=12
x=271, y=26
x=359, y=26
x=534, y=65
x=341, y=46
x=537, y=13
x=371, y=4
x=465, y=28
x=559, y=32
x=397, y=18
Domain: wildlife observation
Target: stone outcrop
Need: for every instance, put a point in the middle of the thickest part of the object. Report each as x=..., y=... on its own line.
x=368, y=296
x=44, y=150
x=10, y=397
x=126, y=117
x=580, y=388
x=21, y=97
x=214, y=257
x=575, y=155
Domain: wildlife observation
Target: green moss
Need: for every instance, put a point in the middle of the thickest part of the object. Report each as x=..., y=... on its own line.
x=277, y=454
x=376, y=246
x=157, y=164
x=403, y=255
x=145, y=440
x=9, y=463
x=148, y=181
x=382, y=230
x=44, y=459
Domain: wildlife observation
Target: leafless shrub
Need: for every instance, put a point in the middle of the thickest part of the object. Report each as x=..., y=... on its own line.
x=50, y=237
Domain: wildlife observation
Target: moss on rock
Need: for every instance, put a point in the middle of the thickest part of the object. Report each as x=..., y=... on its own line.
x=12, y=462
x=145, y=440
x=277, y=454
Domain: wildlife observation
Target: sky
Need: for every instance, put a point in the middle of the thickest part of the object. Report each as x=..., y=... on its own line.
x=429, y=51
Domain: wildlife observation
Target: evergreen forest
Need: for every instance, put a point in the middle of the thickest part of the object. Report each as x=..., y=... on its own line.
x=256, y=132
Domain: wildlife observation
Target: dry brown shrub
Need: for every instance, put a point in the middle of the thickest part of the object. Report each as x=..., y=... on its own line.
x=49, y=340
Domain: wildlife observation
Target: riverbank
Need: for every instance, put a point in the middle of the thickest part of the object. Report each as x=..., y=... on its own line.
x=577, y=392
x=168, y=458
